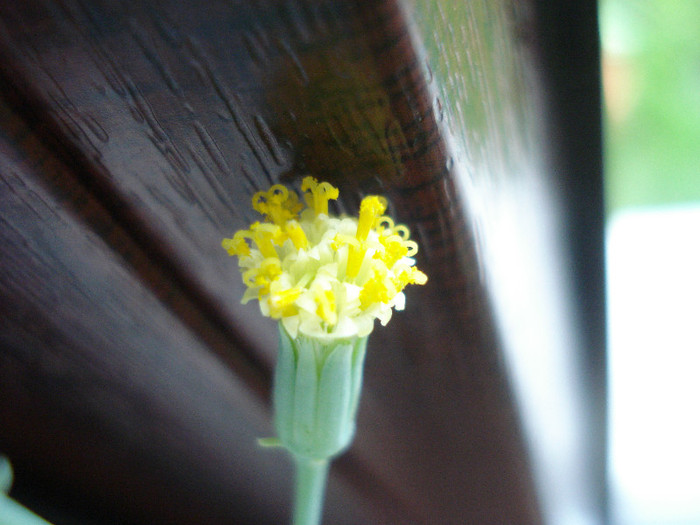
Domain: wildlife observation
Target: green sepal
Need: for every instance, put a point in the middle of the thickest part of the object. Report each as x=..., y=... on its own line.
x=316, y=393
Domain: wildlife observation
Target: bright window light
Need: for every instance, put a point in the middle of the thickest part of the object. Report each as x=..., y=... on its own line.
x=651, y=74
x=654, y=345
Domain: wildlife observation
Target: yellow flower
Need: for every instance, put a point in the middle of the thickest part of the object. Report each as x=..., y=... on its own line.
x=323, y=276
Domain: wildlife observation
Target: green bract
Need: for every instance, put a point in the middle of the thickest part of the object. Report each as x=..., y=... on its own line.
x=316, y=393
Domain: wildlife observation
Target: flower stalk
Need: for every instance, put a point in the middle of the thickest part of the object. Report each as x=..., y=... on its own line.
x=316, y=392
x=311, y=475
x=325, y=279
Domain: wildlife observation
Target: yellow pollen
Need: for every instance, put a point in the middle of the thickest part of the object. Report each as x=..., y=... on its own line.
x=394, y=249
x=376, y=291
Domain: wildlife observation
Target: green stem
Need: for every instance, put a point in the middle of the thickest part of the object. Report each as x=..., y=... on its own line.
x=11, y=512
x=310, y=489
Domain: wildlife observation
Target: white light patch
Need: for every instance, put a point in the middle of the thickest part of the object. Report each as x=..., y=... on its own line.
x=654, y=366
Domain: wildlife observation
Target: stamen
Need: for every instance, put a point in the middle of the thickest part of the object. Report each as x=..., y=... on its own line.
x=394, y=249
x=375, y=291
x=325, y=299
x=318, y=194
x=371, y=208
x=264, y=235
x=296, y=233
x=282, y=302
x=402, y=231
x=277, y=204
x=385, y=223
x=238, y=245
x=411, y=247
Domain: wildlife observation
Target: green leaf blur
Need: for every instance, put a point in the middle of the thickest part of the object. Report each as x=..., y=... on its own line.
x=651, y=68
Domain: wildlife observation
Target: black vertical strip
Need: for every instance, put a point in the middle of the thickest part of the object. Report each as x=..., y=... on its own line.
x=569, y=47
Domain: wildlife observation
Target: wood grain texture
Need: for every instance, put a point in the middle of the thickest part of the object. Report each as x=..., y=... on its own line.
x=133, y=136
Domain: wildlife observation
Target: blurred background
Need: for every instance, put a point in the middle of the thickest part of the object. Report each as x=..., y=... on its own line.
x=651, y=76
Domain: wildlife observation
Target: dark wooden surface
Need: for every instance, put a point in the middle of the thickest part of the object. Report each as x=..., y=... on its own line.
x=133, y=384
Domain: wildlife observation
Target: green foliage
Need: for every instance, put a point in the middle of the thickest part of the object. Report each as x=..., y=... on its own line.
x=652, y=80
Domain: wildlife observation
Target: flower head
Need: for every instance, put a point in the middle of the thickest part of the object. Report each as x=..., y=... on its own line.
x=323, y=276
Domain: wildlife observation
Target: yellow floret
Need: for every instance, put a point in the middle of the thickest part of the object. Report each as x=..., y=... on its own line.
x=266, y=236
x=317, y=194
x=277, y=204
x=326, y=306
x=394, y=249
x=371, y=208
x=260, y=276
x=296, y=234
x=377, y=290
x=322, y=275
x=282, y=302
x=238, y=245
